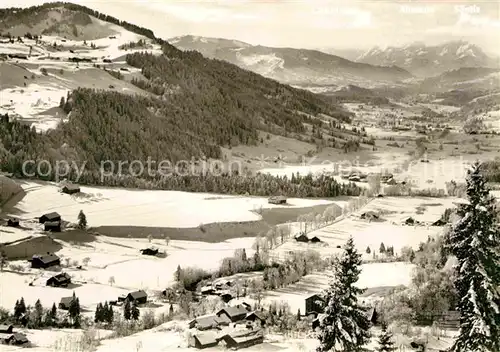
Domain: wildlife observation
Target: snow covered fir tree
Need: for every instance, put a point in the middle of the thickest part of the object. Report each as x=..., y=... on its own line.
x=474, y=240
x=343, y=325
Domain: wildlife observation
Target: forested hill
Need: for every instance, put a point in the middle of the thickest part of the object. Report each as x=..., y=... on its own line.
x=196, y=106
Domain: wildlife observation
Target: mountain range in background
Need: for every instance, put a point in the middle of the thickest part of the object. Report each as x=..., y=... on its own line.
x=303, y=67
x=425, y=61
x=329, y=69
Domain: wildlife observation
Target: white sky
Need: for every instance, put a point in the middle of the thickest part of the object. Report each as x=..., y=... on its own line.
x=311, y=23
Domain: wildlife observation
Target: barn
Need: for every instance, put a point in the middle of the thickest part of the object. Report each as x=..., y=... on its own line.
x=243, y=340
x=49, y=217
x=139, y=297
x=45, y=261
x=70, y=188
x=59, y=280
x=52, y=226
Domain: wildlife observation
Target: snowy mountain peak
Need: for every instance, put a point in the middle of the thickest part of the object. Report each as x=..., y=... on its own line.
x=424, y=60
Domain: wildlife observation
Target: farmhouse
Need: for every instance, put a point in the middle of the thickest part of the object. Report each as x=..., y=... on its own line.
x=237, y=341
x=277, y=200
x=204, y=340
x=6, y=329
x=70, y=188
x=45, y=261
x=139, y=297
x=236, y=313
x=14, y=339
x=149, y=251
x=59, y=280
x=53, y=226
x=49, y=217
x=301, y=238
x=65, y=302
x=314, y=304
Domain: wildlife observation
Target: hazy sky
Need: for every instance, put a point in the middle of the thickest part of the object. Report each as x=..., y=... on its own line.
x=312, y=23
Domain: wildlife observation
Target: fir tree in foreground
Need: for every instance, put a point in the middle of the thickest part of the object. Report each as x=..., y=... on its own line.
x=385, y=343
x=82, y=220
x=474, y=241
x=344, y=325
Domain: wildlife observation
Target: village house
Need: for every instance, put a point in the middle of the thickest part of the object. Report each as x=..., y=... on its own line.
x=14, y=339
x=59, y=280
x=242, y=340
x=53, y=226
x=236, y=313
x=65, y=303
x=203, y=340
x=277, y=200
x=49, y=217
x=45, y=261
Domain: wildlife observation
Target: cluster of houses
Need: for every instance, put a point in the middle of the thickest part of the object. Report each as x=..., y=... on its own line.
x=307, y=238
x=9, y=337
x=235, y=327
x=222, y=288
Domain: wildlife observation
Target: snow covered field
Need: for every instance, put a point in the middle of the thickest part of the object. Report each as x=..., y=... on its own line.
x=395, y=274
x=117, y=258
x=120, y=207
x=394, y=211
x=43, y=92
